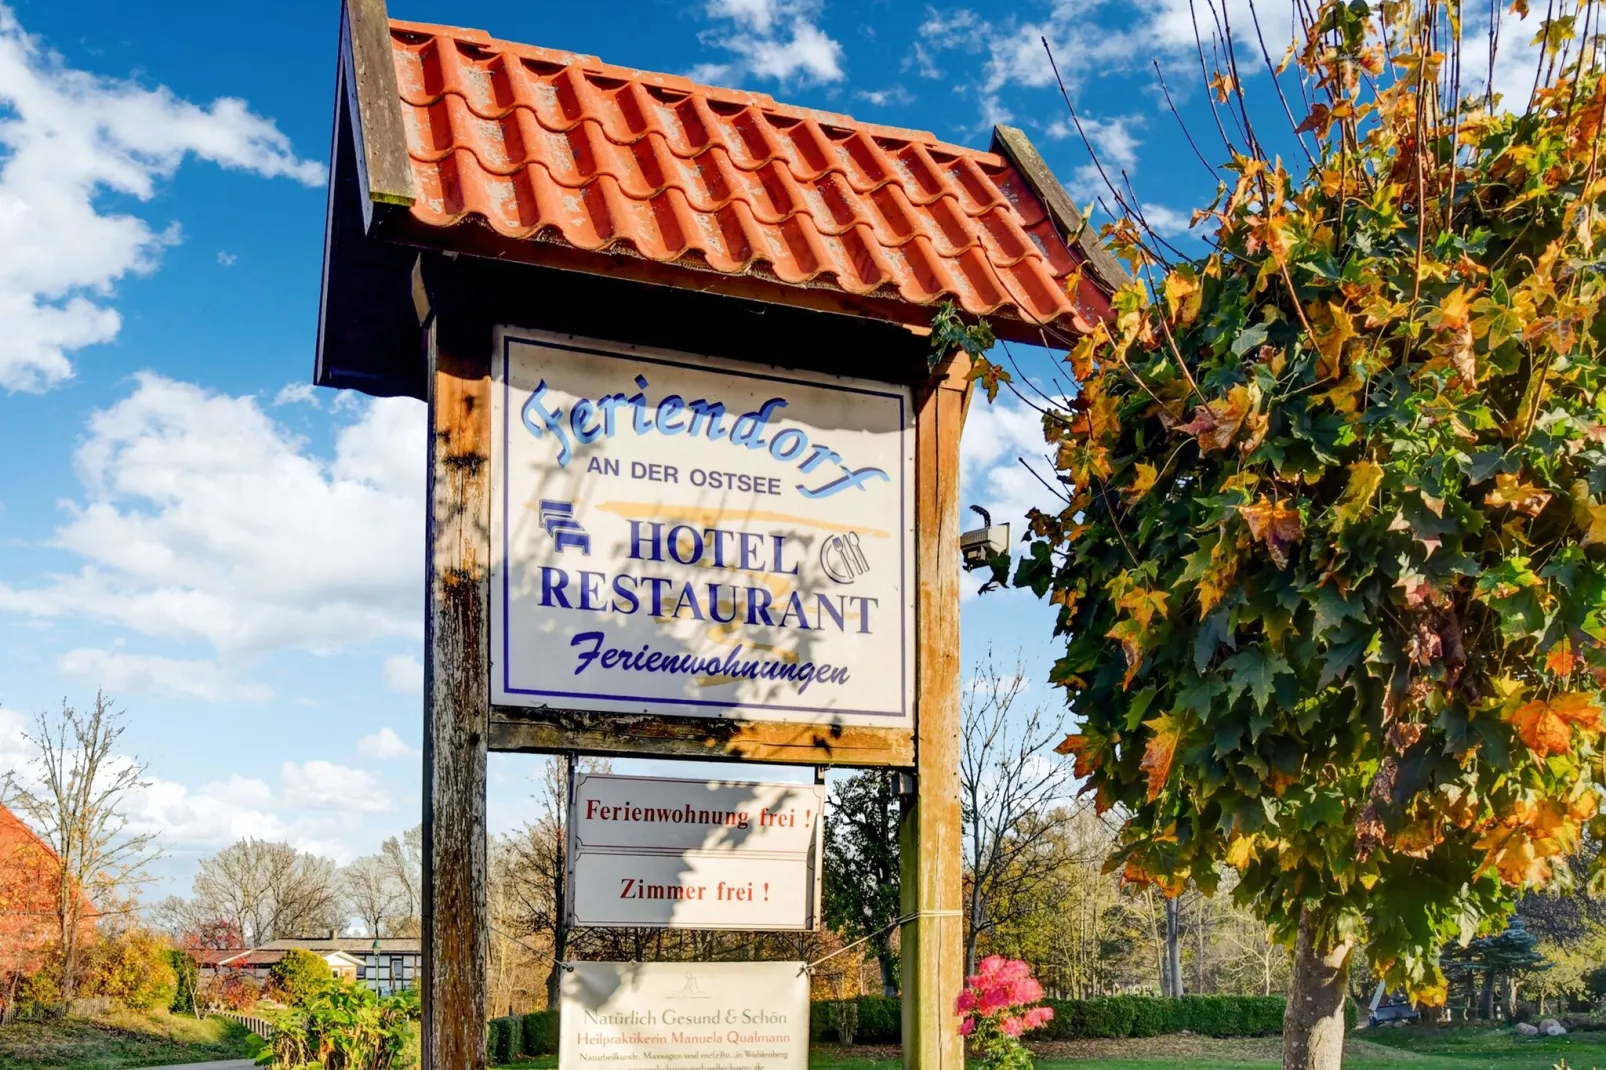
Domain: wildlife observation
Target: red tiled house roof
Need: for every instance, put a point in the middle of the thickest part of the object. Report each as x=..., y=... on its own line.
x=480, y=145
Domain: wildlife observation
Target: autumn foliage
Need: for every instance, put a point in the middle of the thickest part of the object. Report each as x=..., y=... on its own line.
x=1331, y=571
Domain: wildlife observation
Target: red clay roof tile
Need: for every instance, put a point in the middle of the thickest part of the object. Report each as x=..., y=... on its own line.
x=553, y=146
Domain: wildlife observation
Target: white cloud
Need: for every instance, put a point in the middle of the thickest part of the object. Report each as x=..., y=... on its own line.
x=296, y=394
x=1088, y=38
x=404, y=673
x=202, y=518
x=1516, y=59
x=226, y=259
x=122, y=673
x=1167, y=222
x=68, y=139
x=218, y=813
x=384, y=745
x=776, y=39
x=322, y=785
x=881, y=98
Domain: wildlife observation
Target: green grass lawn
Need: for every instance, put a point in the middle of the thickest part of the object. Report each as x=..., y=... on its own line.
x=118, y=1040
x=1421, y=1048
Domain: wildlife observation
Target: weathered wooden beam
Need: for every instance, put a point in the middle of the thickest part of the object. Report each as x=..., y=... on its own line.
x=636, y=735
x=375, y=102
x=456, y=701
x=1015, y=146
x=929, y=834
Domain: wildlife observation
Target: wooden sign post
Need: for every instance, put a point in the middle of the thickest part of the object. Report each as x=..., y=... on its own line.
x=482, y=190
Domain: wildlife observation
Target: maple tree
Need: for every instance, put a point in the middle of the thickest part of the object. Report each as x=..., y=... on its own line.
x=1331, y=567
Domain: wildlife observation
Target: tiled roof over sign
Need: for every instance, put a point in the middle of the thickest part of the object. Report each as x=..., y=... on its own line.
x=552, y=147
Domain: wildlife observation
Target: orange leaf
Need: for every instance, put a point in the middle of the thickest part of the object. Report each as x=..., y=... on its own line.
x=1275, y=524
x=1077, y=744
x=1161, y=751
x=1215, y=424
x=1561, y=659
x=1546, y=726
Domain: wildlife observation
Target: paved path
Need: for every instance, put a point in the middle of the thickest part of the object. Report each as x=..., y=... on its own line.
x=216, y=1064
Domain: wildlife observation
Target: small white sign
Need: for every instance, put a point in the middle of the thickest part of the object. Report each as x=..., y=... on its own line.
x=692, y=537
x=656, y=852
x=686, y=1015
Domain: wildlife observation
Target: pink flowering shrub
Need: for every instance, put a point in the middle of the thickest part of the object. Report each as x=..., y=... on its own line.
x=1000, y=1002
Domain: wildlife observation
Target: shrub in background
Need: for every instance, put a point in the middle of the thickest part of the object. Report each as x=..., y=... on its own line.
x=132, y=968
x=539, y=1032
x=232, y=991
x=504, y=1040
x=186, y=978
x=297, y=976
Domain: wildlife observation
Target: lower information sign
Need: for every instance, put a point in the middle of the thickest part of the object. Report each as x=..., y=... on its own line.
x=685, y=1015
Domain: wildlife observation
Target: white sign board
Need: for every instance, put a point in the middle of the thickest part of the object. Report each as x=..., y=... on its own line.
x=686, y=1015
x=654, y=852
x=685, y=536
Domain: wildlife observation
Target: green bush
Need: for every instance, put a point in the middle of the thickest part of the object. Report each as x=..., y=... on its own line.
x=1115, y=1017
x=1352, y=1014
x=504, y=1040
x=1152, y=1017
x=186, y=976
x=539, y=1033
x=297, y=976
x=880, y=1020
x=1104, y=1017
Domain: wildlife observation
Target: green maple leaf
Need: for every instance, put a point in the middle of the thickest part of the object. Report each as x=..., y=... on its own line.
x=1254, y=669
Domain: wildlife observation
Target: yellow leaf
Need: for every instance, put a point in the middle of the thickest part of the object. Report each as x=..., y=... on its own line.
x=1364, y=479
x=1525, y=498
x=1218, y=577
x=1161, y=751
x=1142, y=482
x=1330, y=340
x=1454, y=310
x=1183, y=295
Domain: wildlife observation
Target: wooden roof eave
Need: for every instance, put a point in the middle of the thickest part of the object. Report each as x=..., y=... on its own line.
x=1107, y=272
x=367, y=338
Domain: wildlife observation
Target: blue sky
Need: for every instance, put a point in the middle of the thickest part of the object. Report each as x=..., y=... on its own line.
x=236, y=556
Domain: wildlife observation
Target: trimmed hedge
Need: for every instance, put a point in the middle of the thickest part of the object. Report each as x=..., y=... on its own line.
x=880, y=1021
x=504, y=1039
x=1105, y=1017
x=1115, y=1017
x=540, y=1033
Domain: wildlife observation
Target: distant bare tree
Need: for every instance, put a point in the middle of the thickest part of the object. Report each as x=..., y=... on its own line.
x=403, y=859
x=372, y=893
x=533, y=865
x=1008, y=785
x=270, y=890
x=73, y=794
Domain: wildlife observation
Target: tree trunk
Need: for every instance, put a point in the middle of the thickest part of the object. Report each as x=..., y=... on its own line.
x=889, y=976
x=1486, y=997
x=1173, y=948
x=1313, y=1027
